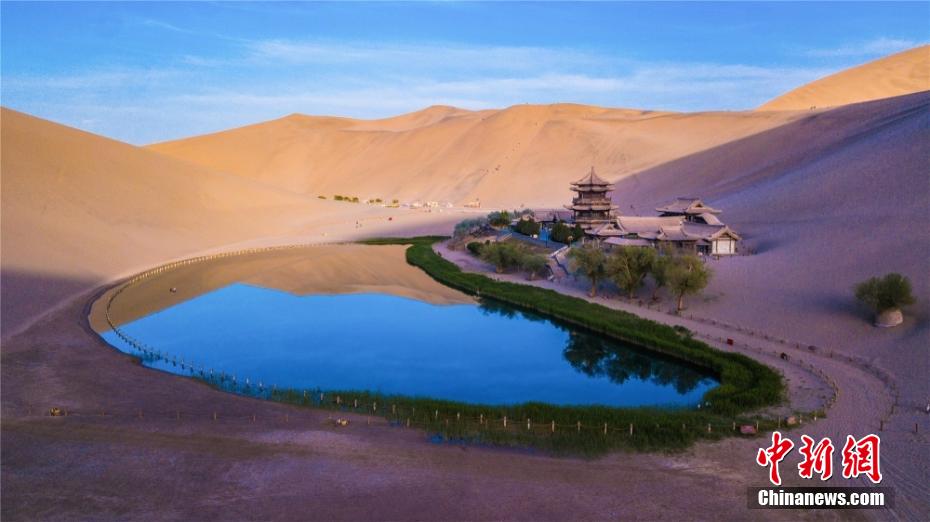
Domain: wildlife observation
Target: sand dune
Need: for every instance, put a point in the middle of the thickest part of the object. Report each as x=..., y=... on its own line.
x=525, y=154
x=826, y=202
x=902, y=73
x=80, y=209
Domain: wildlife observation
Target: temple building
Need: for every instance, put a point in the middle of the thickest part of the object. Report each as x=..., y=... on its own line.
x=591, y=207
x=686, y=223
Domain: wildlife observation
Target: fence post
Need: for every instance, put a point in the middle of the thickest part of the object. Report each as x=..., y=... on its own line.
x=553, y=426
x=605, y=428
x=708, y=427
x=436, y=415
x=505, y=421
x=579, y=426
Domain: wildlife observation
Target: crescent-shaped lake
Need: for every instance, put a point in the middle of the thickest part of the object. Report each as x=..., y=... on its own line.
x=486, y=353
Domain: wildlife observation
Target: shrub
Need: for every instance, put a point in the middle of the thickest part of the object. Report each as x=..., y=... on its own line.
x=321, y=197
x=885, y=293
x=475, y=248
x=504, y=255
x=337, y=197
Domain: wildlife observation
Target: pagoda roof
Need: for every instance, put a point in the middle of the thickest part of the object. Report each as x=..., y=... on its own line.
x=606, y=205
x=591, y=179
x=683, y=205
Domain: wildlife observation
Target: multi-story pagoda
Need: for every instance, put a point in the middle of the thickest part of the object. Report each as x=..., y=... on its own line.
x=591, y=207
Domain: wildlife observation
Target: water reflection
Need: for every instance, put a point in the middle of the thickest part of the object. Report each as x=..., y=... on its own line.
x=488, y=354
x=596, y=356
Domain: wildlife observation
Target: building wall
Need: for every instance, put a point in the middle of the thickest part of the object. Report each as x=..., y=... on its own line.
x=724, y=246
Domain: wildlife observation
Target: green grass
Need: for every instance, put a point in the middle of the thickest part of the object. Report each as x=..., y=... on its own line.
x=745, y=385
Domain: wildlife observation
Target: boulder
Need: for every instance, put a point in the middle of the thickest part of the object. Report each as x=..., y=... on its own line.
x=889, y=318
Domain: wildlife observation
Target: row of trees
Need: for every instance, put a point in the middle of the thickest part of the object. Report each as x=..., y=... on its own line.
x=510, y=255
x=628, y=267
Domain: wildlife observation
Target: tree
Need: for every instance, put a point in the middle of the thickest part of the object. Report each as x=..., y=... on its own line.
x=628, y=266
x=468, y=227
x=884, y=294
x=660, y=269
x=527, y=226
x=562, y=233
x=499, y=219
x=504, y=255
x=590, y=260
x=688, y=275
x=534, y=264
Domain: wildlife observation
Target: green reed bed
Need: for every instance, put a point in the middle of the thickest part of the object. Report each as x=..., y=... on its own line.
x=575, y=430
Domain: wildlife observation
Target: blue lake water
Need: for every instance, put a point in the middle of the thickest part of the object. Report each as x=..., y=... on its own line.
x=483, y=354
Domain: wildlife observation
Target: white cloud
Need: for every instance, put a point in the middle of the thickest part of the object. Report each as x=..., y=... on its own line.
x=268, y=79
x=876, y=47
x=433, y=55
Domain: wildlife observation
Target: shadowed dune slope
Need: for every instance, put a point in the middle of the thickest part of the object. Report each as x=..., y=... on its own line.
x=826, y=201
x=79, y=209
x=525, y=154
x=902, y=73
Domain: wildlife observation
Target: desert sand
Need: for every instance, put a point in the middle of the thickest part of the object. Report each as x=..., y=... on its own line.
x=522, y=155
x=902, y=73
x=824, y=198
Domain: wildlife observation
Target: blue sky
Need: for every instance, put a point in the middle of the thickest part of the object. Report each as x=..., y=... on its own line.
x=145, y=72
